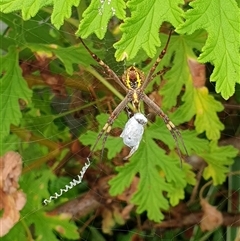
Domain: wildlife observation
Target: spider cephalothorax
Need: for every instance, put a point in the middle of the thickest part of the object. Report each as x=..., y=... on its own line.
x=134, y=83
x=133, y=78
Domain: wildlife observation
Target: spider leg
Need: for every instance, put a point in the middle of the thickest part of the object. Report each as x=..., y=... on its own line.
x=105, y=66
x=108, y=126
x=160, y=57
x=161, y=72
x=171, y=127
x=176, y=131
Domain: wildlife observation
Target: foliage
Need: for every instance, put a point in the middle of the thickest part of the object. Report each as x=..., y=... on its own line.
x=39, y=63
x=222, y=45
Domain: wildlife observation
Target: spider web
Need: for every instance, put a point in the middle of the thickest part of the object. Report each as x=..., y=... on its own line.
x=70, y=127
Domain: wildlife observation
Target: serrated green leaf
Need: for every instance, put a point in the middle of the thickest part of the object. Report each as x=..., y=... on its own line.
x=12, y=88
x=69, y=56
x=50, y=224
x=73, y=55
x=62, y=9
x=149, y=196
x=175, y=195
x=190, y=175
x=159, y=131
x=206, y=117
x=158, y=173
x=9, y=143
x=29, y=8
x=178, y=182
x=187, y=110
x=192, y=142
x=142, y=28
x=182, y=48
x=199, y=102
x=14, y=234
x=218, y=159
x=35, y=185
x=113, y=144
x=97, y=16
x=123, y=179
x=222, y=46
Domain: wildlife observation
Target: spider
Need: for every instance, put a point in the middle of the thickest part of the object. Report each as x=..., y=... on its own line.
x=134, y=82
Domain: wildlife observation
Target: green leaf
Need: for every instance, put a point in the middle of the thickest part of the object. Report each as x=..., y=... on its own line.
x=222, y=45
x=199, y=102
x=141, y=29
x=49, y=224
x=70, y=55
x=62, y=9
x=61, y=182
x=190, y=175
x=13, y=87
x=192, y=142
x=149, y=196
x=175, y=195
x=158, y=173
x=206, y=117
x=35, y=185
x=97, y=15
x=73, y=55
x=9, y=143
x=29, y=8
x=113, y=144
x=182, y=48
x=14, y=234
x=219, y=159
x=176, y=192
x=32, y=181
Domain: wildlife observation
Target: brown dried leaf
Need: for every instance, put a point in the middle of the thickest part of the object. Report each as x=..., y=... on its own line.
x=11, y=200
x=10, y=170
x=128, y=193
x=126, y=211
x=11, y=204
x=55, y=81
x=198, y=73
x=212, y=218
x=126, y=196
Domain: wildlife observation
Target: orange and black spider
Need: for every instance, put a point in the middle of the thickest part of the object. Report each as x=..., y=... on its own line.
x=134, y=83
